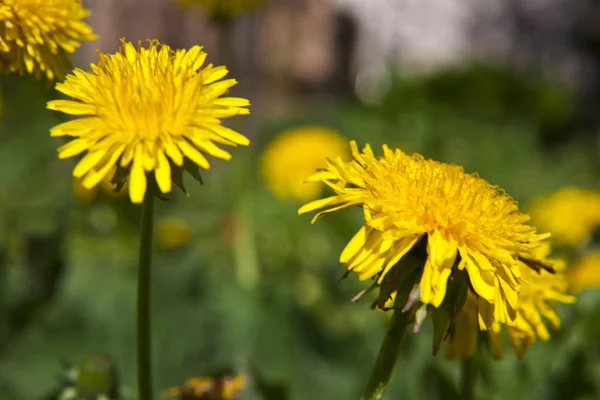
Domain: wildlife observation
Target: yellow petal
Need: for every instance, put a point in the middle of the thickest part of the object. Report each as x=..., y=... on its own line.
x=163, y=173
x=355, y=244
x=72, y=107
x=400, y=249
x=137, y=178
x=481, y=274
x=441, y=256
x=88, y=162
x=73, y=148
x=190, y=152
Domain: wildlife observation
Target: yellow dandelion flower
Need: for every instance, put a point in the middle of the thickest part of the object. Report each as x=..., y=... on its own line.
x=147, y=110
x=203, y=387
x=570, y=214
x=585, y=273
x=36, y=36
x=224, y=7
x=451, y=220
x=538, y=293
x=172, y=232
x=295, y=154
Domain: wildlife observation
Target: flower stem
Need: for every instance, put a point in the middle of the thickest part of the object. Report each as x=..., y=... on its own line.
x=468, y=379
x=144, y=334
x=388, y=353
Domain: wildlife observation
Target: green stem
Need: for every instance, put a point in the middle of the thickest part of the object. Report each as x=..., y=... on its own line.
x=144, y=334
x=468, y=379
x=388, y=353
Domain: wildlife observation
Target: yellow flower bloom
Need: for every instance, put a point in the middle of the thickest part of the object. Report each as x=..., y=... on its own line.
x=147, y=110
x=203, y=387
x=538, y=292
x=295, y=154
x=452, y=221
x=585, y=273
x=172, y=232
x=36, y=36
x=224, y=7
x=571, y=215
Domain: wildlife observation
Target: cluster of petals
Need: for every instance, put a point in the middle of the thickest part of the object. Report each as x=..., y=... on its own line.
x=468, y=224
x=147, y=111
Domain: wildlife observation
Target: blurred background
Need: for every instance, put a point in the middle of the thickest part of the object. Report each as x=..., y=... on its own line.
x=242, y=285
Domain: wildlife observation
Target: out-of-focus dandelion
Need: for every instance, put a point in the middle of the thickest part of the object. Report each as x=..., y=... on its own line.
x=536, y=302
x=571, y=215
x=147, y=110
x=172, y=232
x=36, y=36
x=148, y=114
x=224, y=8
x=585, y=272
x=207, y=388
x=295, y=154
x=431, y=232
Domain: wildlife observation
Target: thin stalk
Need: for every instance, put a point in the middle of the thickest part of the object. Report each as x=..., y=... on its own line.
x=388, y=354
x=469, y=377
x=144, y=303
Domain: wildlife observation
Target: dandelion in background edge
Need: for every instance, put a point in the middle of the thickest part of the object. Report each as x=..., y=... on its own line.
x=296, y=153
x=151, y=112
x=207, y=387
x=459, y=231
x=571, y=215
x=36, y=36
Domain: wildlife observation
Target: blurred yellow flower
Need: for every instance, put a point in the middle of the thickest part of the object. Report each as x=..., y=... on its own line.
x=172, y=232
x=449, y=220
x=585, y=273
x=538, y=292
x=147, y=110
x=207, y=387
x=570, y=215
x=36, y=36
x=224, y=7
x=296, y=153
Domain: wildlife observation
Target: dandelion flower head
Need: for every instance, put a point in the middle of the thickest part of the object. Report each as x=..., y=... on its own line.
x=570, y=214
x=460, y=221
x=36, y=36
x=296, y=153
x=214, y=387
x=224, y=7
x=151, y=112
